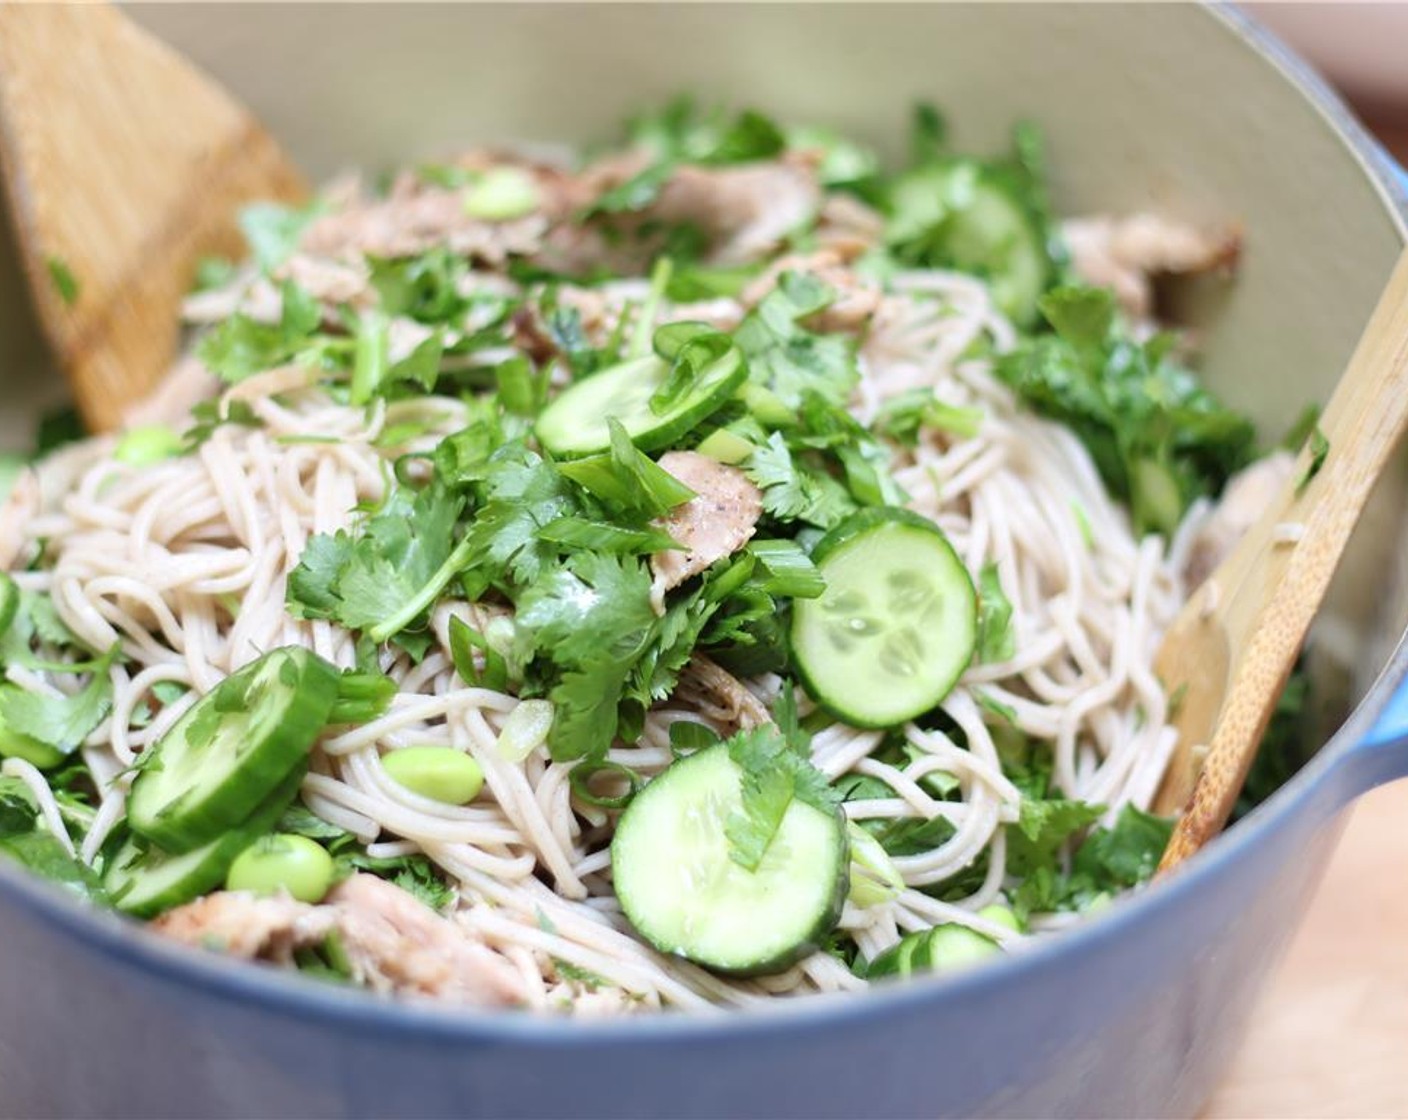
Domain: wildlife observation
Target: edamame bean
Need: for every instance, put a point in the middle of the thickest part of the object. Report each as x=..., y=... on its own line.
x=500, y=194
x=148, y=444
x=440, y=773
x=283, y=862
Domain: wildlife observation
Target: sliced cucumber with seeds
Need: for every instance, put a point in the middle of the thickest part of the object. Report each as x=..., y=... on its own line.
x=683, y=893
x=143, y=880
x=896, y=626
x=222, y=758
x=575, y=422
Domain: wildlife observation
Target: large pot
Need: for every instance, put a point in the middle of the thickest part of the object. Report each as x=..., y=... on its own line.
x=1189, y=110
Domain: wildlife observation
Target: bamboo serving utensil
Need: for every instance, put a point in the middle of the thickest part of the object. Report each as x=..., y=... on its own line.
x=124, y=166
x=1233, y=644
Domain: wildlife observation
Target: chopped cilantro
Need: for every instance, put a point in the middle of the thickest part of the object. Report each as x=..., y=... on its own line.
x=1157, y=437
x=64, y=281
x=1319, y=449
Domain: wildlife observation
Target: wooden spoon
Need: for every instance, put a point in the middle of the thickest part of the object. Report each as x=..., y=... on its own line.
x=124, y=166
x=1232, y=646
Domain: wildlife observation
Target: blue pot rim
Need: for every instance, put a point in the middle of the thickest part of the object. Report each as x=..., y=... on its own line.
x=318, y=1003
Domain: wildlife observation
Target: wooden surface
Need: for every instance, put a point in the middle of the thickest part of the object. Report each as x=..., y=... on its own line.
x=124, y=165
x=1330, y=1037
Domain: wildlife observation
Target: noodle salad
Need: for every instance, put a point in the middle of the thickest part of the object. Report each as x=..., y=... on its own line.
x=720, y=569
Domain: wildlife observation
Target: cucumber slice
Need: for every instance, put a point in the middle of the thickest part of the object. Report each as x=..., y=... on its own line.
x=684, y=894
x=945, y=948
x=574, y=423
x=142, y=880
x=232, y=749
x=966, y=216
x=896, y=626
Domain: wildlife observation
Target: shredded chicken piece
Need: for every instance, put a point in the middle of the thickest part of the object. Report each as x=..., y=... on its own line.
x=416, y=217
x=848, y=226
x=396, y=944
x=722, y=695
x=1246, y=497
x=392, y=942
x=242, y=925
x=1125, y=253
x=716, y=523
x=746, y=210
x=855, y=302
x=330, y=281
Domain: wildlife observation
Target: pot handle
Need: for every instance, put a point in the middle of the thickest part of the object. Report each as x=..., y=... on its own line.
x=1381, y=755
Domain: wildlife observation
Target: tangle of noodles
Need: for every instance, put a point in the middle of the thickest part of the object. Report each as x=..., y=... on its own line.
x=184, y=562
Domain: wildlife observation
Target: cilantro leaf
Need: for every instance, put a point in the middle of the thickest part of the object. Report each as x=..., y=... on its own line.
x=996, y=642
x=63, y=279
x=61, y=722
x=369, y=582
x=594, y=607
x=272, y=231
x=793, y=490
x=1127, y=853
x=1043, y=827
x=586, y=705
x=787, y=359
x=18, y=810
x=240, y=347
x=1158, y=438
x=776, y=769
x=1319, y=450
x=41, y=853
x=522, y=493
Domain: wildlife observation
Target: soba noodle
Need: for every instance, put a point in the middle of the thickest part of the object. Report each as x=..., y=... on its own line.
x=184, y=562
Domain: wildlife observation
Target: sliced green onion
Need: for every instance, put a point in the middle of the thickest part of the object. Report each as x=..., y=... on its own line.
x=464, y=640
x=766, y=406
x=150, y=443
x=361, y=697
x=723, y=446
x=9, y=601
x=371, y=358
x=501, y=194
x=584, y=772
x=525, y=730
x=686, y=737
x=627, y=476
x=875, y=880
x=645, y=319
x=787, y=570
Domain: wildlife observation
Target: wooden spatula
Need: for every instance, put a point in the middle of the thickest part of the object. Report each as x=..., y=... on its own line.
x=124, y=165
x=1232, y=646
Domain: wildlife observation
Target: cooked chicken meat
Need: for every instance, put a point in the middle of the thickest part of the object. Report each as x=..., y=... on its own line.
x=717, y=522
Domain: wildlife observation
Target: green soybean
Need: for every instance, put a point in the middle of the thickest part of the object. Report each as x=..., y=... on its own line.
x=440, y=773
x=283, y=862
x=500, y=194
x=149, y=443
